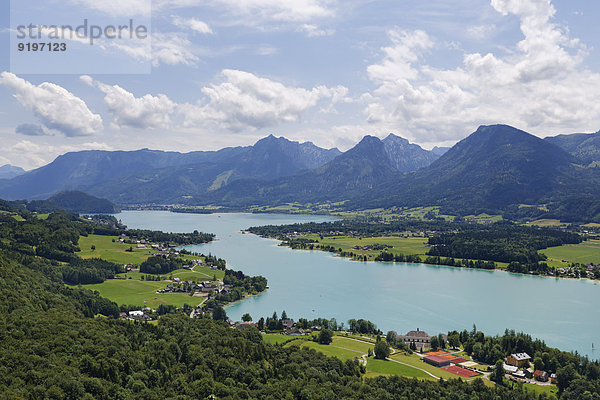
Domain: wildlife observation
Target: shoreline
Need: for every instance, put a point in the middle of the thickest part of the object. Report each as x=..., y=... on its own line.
x=336, y=254
x=226, y=306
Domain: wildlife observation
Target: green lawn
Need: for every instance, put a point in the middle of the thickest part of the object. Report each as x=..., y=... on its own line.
x=141, y=293
x=584, y=253
x=410, y=245
x=550, y=390
x=351, y=344
x=386, y=367
x=548, y=222
x=109, y=251
x=278, y=338
x=333, y=350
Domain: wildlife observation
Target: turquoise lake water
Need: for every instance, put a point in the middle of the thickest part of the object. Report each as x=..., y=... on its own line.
x=396, y=296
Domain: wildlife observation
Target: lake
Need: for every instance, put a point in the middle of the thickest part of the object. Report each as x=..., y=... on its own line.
x=396, y=296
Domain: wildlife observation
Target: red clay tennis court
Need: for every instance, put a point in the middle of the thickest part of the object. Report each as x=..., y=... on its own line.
x=436, y=353
x=463, y=373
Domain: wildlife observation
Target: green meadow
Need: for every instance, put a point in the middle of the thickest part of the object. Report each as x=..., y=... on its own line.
x=200, y=273
x=401, y=244
x=109, y=251
x=584, y=253
x=387, y=367
x=141, y=293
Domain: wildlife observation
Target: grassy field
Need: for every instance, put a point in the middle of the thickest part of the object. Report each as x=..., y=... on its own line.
x=109, y=251
x=548, y=222
x=141, y=293
x=278, y=338
x=200, y=273
x=386, y=367
x=333, y=350
x=404, y=245
x=584, y=253
x=550, y=390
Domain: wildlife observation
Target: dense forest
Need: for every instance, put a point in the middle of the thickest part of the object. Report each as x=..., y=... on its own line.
x=500, y=242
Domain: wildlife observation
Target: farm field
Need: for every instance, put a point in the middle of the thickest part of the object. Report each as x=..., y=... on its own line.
x=141, y=293
x=109, y=251
x=200, y=273
x=584, y=253
x=410, y=245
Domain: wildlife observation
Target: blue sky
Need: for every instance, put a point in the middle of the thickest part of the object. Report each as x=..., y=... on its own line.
x=227, y=72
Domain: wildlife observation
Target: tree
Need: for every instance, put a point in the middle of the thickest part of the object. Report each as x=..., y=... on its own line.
x=325, y=336
x=498, y=374
x=219, y=314
x=538, y=363
x=261, y=324
x=564, y=377
x=284, y=315
x=454, y=340
x=441, y=341
x=391, y=338
x=435, y=343
x=382, y=350
x=246, y=317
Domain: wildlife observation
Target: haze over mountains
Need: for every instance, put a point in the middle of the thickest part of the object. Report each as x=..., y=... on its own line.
x=10, y=171
x=497, y=169
x=149, y=176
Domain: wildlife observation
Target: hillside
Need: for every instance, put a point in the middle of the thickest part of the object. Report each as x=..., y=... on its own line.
x=79, y=202
x=495, y=167
x=406, y=157
x=585, y=147
x=354, y=172
x=10, y=171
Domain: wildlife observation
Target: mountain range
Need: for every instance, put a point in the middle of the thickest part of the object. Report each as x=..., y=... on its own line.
x=150, y=176
x=497, y=169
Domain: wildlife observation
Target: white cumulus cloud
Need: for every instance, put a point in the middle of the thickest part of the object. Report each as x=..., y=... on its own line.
x=193, y=24
x=541, y=84
x=243, y=100
x=146, y=112
x=54, y=106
